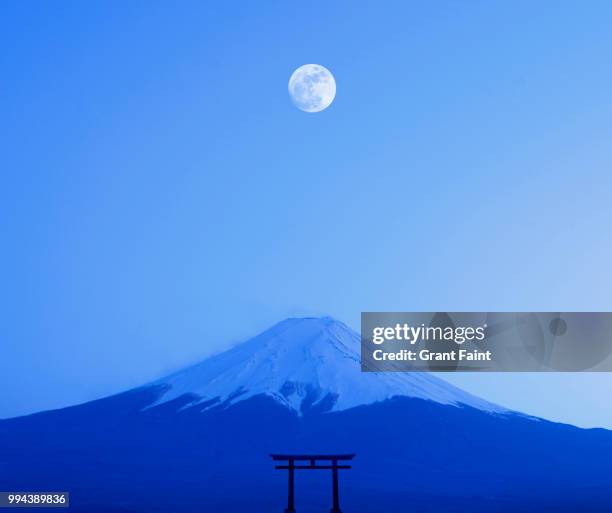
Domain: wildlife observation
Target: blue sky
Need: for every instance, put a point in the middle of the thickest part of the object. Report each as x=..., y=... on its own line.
x=162, y=198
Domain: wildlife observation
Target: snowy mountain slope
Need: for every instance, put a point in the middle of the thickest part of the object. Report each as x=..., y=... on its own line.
x=306, y=364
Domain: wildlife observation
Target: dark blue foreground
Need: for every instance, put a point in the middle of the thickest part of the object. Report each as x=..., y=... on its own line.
x=412, y=455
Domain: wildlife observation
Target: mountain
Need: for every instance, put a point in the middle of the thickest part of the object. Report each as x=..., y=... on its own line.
x=199, y=440
x=304, y=364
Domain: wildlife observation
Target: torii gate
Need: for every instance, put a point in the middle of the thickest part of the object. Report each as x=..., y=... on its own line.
x=312, y=459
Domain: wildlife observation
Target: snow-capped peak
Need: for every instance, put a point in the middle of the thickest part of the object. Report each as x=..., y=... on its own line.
x=305, y=363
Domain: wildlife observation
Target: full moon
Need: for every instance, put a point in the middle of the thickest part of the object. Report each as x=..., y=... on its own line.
x=312, y=88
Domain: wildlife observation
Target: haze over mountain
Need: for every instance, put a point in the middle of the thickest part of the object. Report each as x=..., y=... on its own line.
x=304, y=363
x=199, y=440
